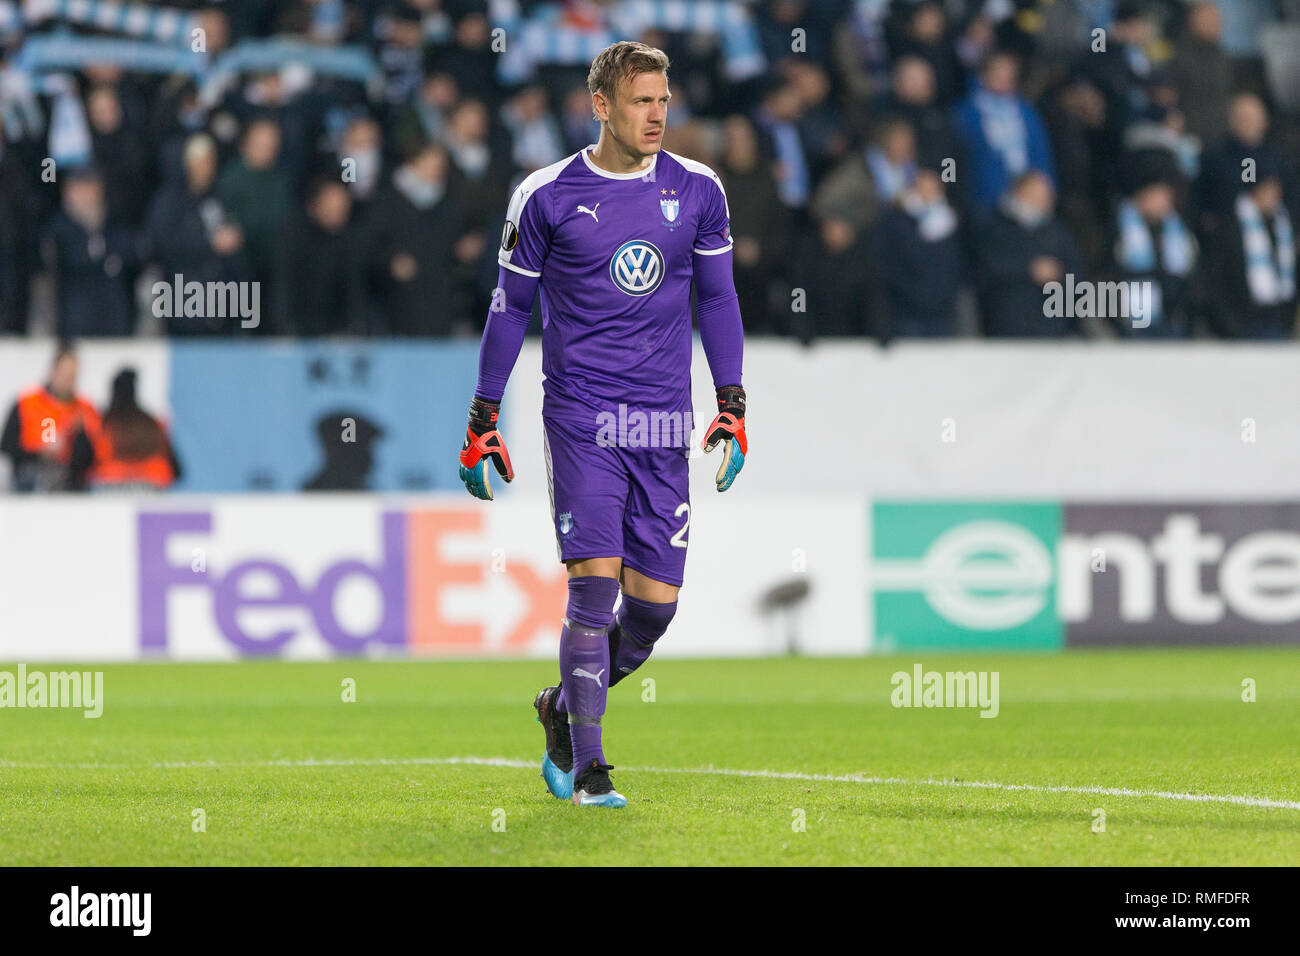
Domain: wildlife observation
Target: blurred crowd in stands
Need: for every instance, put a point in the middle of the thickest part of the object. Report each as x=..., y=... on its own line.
x=905, y=168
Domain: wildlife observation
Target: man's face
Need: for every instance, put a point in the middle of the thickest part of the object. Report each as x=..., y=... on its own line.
x=742, y=147
x=914, y=81
x=1001, y=75
x=201, y=169
x=928, y=186
x=1036, y=191
x=84, y=196
x=1206, y=22
x=332, y=207
x=899, y=145
x=1267, y=195
x=469, y=124
x=262, y=145
x=361, y=136
x=63, y=377
x=1155, y=201
x=638, y=114
x=1248, y=120
x=431, y=165
x=105, y=111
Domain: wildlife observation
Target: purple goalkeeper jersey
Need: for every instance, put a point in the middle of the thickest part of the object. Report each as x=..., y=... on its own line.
x=615, y=254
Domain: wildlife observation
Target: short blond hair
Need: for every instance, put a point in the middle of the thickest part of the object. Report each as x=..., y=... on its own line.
x=622, y=61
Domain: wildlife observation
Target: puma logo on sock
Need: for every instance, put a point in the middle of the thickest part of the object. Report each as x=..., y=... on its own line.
x=579, y=672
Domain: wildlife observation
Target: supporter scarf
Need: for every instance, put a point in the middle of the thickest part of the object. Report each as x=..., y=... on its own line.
x=1270, y=266
x=1137, y=252
x=935, y=221
x=1004, y=128
x=890, y=178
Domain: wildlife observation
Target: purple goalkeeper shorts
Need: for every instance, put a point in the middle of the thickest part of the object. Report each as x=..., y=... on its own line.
x=611, y=500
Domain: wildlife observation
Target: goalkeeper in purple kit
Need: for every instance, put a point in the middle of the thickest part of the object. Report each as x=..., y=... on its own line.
x=612, y=237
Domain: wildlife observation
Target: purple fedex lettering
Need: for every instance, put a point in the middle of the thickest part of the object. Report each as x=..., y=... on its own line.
x=227, y=601
x=158, y=577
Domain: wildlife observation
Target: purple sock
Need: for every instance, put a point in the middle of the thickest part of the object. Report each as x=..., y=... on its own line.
x=584, y=663
x=637, y=625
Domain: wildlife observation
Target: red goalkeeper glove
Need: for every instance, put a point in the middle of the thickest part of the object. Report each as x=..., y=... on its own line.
x=729, y=428
x=483, y=443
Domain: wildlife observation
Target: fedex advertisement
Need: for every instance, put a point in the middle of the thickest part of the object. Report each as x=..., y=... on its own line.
x=338, y=575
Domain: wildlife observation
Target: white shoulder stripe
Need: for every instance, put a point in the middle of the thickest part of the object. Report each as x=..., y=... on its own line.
x=519, y=199
x=714, y=252
x=540, y=177
x=533, y=182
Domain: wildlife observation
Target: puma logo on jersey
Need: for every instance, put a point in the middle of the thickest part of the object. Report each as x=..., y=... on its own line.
x=579, y=672
x=591, y=212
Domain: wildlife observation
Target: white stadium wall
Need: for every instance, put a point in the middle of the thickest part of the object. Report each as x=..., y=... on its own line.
x=930, y=497
x=1075, y=420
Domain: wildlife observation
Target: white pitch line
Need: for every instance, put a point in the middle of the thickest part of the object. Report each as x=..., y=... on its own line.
x=701, y=771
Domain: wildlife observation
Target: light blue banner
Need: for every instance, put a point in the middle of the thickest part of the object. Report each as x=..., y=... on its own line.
x=268, y=416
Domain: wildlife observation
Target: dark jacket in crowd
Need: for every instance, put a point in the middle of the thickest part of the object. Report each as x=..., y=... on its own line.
x=318, y=282
x=92, y=277
x=1084, y=172
x=1219, y=182
x=1233, y=312
x=1202, y=73
x=761, y=216
x=920, y=278
x=259, y=201
x=178, y=237
x=19, y=236
x=420, y=305
x=1010, y=300
x=838, y=288
x=1113, y=73
x=936, y=134
x=124, y=161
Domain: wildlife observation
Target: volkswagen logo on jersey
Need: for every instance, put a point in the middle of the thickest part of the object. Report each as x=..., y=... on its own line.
x=637, y=267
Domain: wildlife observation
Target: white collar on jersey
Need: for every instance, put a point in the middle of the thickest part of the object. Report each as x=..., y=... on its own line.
x=586, y=158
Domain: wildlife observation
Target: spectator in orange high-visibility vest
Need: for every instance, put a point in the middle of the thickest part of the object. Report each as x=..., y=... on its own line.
x=133, y=452
x=50, y=432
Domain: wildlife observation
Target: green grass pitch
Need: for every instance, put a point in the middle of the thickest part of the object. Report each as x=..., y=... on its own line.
x=286, y=772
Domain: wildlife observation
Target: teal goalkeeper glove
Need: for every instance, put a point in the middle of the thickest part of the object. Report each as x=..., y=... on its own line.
x=728, y=427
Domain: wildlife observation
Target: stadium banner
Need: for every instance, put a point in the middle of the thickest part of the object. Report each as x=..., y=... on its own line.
x=964, y=575
x=306, y=577
x=1196, y=574
x=1005, y=575
x=327, y=415
x=190, y=577
x=929, y=420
